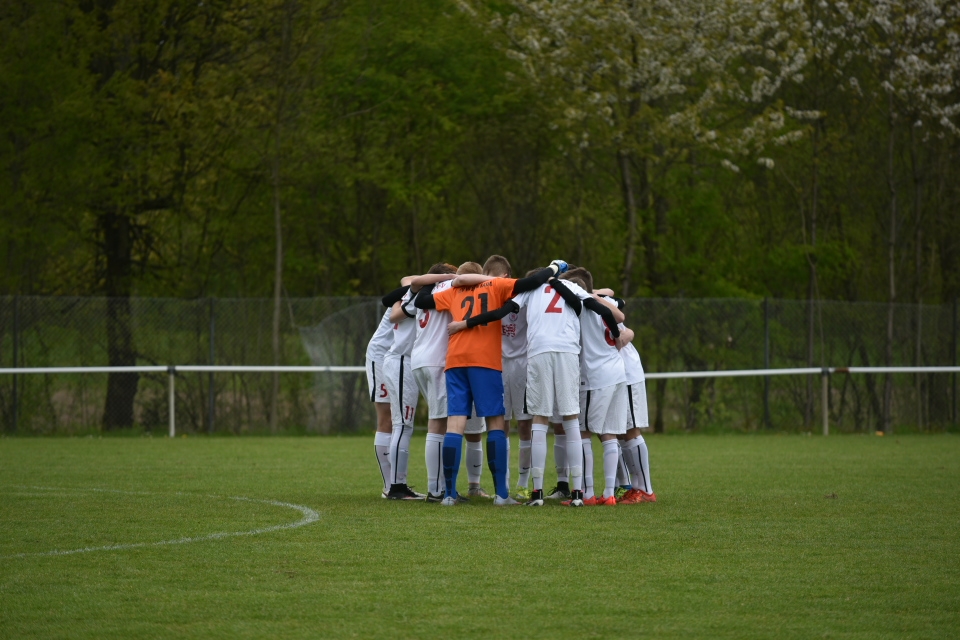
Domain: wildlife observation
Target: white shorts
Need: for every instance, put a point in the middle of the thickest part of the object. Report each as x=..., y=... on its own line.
x=637, y=416
x=553, y=384
x=604, y=410
x=515, y=389
x=474, y=424
x=375, y=383
x=402, y=387
x=433, y=386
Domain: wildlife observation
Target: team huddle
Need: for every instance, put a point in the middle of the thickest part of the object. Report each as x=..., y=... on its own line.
x=483, y=349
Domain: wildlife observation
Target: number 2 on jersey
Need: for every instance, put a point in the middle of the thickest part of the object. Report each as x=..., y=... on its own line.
x=552, y=307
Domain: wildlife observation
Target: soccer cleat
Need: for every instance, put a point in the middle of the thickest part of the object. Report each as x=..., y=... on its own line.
x=622, y=491
x=383, y=494
x=403, y=492
x=523, y=494
x=504, y=502
x=559, y=492
x=607, y=502
x=435, y=498
x=477, y=492
x=448, y=501
x=576, y=499
x=636, y=496
x=536, y=499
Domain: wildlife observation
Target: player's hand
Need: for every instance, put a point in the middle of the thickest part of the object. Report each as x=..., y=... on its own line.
x=560, y=265
x=456, y=327
x=604, y=292
x=621, y=341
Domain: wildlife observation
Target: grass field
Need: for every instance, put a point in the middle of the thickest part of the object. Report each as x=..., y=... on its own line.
x=752, y=536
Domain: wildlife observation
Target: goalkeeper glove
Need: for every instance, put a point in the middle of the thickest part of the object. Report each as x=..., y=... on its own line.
x=560, y=265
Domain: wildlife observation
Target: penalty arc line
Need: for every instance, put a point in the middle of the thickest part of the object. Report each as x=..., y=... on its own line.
x=309, y=517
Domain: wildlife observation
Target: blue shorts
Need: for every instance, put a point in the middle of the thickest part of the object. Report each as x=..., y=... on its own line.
x=478, y=385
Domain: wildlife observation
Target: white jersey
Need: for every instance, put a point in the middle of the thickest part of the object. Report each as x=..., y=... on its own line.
x=551, y=325
x=430, y=346
x=600, y=363
x=382, y=339
x=631, y=363
x=514, y=330
x=404, y=332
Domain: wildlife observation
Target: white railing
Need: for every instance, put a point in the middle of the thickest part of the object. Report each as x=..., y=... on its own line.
x=823, y=372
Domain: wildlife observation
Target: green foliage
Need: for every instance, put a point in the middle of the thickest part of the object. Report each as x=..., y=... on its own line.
x=143, y=146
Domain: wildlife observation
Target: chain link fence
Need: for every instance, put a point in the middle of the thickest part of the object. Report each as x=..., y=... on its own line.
x=672, y=335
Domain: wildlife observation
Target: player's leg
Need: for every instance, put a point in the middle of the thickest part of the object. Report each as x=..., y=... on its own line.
x=635, y=451
x=433, y=386
x=562, y=490
x=459, y=400
x=623, y=473
x=524, y=433
x=567, y=380
x=487, y=389
x=514, y=403
x=473, y=434
x=613, y=417
x=381, y=403
x=403, y=406
x=538, y=458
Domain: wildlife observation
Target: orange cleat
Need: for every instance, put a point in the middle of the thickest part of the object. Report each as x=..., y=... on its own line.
x=636, y=496
x=607, y=502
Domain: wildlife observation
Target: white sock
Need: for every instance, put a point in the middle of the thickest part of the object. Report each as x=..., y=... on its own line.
x=507, y=479
x=538, y=455
x=586, y=449
x=381, y=442
x=433, y=452
x=560, y=457
x=610, y=450
x=638, y=460
x=623, y=474
x=574, y=453
x=400, y=453
x=524, y=479
x=474, y=461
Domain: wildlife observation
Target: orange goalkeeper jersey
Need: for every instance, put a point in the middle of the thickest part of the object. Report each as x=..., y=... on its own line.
x=479, y=346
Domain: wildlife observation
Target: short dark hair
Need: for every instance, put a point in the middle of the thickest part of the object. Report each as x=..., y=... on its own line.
x=581, y=276
x=442, y=267
x=497, y=265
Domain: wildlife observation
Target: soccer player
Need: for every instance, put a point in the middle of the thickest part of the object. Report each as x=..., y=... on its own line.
x=553, y=375
x=403, y=394
x=602, y=392
x=474, y=370
x=429, y=359
x=633, y=446
x=377, y=348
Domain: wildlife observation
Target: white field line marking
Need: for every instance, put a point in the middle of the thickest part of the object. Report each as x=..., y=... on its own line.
x=309, y=516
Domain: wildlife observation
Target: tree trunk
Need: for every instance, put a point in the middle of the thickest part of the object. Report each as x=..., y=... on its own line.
x=629, y=198
x=918, y=268
x=891, y=265
x=277, y=285
x=121, y=387
x=812, y=284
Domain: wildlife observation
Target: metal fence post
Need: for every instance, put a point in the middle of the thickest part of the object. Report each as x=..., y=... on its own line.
x=16, y=361
x=954, y=360
x=825, y=399
x=766, y=362
x=211, y=408
x=172, y=374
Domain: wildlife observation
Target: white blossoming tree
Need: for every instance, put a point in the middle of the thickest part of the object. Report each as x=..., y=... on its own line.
x=658, y=80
